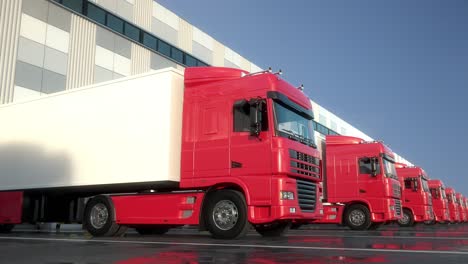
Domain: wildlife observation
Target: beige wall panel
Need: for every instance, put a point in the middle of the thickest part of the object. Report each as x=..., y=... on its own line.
x=185, y=37
x=10, y=20
x=245, y=65
x=218, y=54
x=142, y=13
x=141, y=59
x=82, y=53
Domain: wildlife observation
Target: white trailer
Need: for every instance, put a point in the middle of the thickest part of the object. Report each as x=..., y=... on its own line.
x=122, y=134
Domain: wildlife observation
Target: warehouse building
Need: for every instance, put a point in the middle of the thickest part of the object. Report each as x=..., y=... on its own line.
x=49, y=46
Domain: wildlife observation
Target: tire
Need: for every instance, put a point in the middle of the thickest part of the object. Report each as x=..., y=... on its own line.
x=272, y=230
x=407, y=219
x=226, y=214
x=375, y=226
x=432, y=222
x=98, y=217
x=295, y=226
x=6, y=228
x=121, y=232
x=357, y=217
x=152, y=230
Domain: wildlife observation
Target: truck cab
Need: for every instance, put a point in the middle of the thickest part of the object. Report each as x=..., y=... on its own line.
x=461, y=206
x=452, y=204
x=416, y=197
x=439, y=201
x=361, y=188
x=253, y=133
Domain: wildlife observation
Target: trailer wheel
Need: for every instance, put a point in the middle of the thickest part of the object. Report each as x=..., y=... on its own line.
x=98, y=217
x=407, y=218
x=357, y=217
x=152, y=230
x=273, y=230
x=226, y=214
x=6, y=228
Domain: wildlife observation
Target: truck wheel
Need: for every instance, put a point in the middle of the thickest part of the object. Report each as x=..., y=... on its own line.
x=406, y=219
x=226, y=214
x=152, y=230
x=295, y=226
x=375, y=226
x=272, y=230
x=6, y=228
x=98, y=217
x=357, y=217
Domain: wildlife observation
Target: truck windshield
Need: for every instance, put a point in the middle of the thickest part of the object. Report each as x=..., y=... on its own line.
x=389, y=168
x=442, y=191
x=292, y=125
x=425, y=184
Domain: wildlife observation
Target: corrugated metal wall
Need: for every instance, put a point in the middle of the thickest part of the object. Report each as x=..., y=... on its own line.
x=142, y=13
x=82, y=53
x=10, y=20
x=185, y=36
x=141, y=59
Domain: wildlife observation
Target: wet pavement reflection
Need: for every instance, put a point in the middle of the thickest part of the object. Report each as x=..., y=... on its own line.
x=313, y=244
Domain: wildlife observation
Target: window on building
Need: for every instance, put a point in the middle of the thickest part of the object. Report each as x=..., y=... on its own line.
x=76, y=5
x=365, y=165
x=202, y=64
x=164, y=48
x=132, y=32
x=95, y=13
x=115, y=23
x=241, y=114
x=150, y=41
x=177, y=55
x=190, y=61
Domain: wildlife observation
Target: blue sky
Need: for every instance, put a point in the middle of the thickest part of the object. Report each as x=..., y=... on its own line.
x=397, y=70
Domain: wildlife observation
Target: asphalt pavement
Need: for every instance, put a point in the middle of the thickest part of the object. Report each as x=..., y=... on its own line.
x=311, y=244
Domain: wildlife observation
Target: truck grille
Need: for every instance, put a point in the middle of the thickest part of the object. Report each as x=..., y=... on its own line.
x=398, y=207
x=396, y=191
x=306, y=195
x=304, y=164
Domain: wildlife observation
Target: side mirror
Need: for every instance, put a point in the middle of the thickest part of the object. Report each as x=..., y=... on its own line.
x=255, y=117
x=415, y=185
x=374, y=163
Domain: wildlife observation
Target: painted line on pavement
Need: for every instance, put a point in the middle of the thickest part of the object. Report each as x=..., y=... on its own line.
x=232, y=245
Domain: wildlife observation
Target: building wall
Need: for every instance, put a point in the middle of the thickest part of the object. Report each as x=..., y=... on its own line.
x=47, y=48
x=54, y=48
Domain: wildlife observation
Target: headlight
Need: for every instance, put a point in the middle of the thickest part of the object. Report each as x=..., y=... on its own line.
x=392, y=208
x=286, y=195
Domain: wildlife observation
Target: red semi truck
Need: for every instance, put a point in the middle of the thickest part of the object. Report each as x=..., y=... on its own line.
x=453, y=208
x=465, y=200
x=361, y=188
x=214, y=147
x=416, y=197
x=461, y=206
x=439, y=201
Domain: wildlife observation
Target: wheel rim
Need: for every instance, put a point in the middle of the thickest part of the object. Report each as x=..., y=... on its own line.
x=404, y=219
x=357, y=217
x=99, y=215
x=225, y=215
